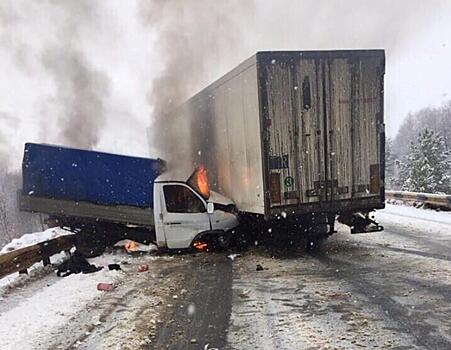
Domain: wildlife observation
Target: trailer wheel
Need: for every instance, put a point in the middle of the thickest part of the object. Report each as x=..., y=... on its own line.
x=90, y=243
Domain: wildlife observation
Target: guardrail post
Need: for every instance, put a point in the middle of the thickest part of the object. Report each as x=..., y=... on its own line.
x=46, y=261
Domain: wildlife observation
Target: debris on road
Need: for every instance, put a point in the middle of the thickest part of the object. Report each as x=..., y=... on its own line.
x=206, y=347
x=233, y=256
x=75, y=264
x=105, y=287
x=143, y=268
x=259, y=268
x=133, y=246
x=115, y=267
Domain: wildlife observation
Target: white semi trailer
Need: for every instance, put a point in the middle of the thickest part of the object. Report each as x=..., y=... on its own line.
x=297, y=134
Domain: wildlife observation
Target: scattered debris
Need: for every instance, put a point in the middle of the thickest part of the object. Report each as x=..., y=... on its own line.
x=259, y=268
x=115, y=267
x=105, y=287
x=233, y=256
x=191, y=310
x=143, y=268
x=76, y=264
x=132, y=246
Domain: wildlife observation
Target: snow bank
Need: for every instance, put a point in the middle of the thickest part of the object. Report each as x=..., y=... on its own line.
x=442, y=217
x=43, y=313
x=34, y=238
x=422, y=221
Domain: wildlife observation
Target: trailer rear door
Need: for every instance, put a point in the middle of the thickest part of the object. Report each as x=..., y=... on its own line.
x=323, y=125
x=354, y=120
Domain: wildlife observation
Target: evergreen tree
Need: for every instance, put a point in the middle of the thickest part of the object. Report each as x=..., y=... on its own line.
x=425, y=168
x=389, y=164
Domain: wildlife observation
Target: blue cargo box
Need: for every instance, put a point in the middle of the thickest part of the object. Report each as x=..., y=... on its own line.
x=73, y=174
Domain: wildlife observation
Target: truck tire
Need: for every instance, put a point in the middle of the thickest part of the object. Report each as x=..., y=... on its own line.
x=90, y=243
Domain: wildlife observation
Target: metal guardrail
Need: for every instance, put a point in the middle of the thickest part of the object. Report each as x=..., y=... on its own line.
x=21, y=259
x=436, y=200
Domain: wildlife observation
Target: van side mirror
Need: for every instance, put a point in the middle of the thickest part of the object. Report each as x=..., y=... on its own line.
x=210, y=208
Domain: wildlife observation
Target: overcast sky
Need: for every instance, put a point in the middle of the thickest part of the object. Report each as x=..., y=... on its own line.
x=97, y=60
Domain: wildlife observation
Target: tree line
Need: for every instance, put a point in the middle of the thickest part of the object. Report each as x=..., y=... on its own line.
x=419, y=158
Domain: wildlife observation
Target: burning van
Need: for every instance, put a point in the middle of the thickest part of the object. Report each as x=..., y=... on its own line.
x=105, y=197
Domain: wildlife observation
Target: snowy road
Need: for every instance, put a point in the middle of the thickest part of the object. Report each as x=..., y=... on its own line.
x=386, y=290
x=390, y=290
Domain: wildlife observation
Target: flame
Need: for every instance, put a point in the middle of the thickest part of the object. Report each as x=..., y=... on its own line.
x=199, y=245
x=202, y=181
x=131, y=246
x=199, y=181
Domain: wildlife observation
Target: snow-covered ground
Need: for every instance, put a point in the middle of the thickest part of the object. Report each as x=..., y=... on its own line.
x=39, y=315
x=409, y=212
x=44, y=312
x=70, y=312
x=416, y=221
x=383, y=289
x=33, y=271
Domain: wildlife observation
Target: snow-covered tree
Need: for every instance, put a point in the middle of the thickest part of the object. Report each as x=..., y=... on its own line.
x=390, y=159
x=435, y=118
x=425, y=168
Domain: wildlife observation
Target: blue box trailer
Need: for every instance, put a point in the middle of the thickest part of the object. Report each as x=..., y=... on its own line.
x=103, y=197
x=57, y=172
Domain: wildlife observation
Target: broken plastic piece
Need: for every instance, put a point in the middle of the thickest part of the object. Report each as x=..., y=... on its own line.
x=143, y=268
x=105, y=287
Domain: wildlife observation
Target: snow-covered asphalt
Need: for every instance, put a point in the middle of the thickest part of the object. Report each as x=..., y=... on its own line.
x=385, y=290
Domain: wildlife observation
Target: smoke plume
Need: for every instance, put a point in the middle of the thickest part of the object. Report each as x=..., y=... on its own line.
x=68, y=64
x=81, y=89
x=201, y=40
x=53, y=49
x=9, y=124
x=192, y=35
x=81, y=92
